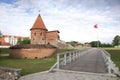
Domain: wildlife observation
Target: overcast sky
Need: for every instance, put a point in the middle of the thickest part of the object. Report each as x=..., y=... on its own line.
x=73, y=18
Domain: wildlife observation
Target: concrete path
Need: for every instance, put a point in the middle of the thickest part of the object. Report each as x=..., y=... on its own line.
x=90, y=62
x=87, y=67
x=67, y=75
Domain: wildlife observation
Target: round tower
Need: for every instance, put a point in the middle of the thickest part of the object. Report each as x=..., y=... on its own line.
x=38, y=32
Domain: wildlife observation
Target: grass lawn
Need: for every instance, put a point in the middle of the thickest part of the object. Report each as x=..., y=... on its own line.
x=115, y=55
x=28, y=66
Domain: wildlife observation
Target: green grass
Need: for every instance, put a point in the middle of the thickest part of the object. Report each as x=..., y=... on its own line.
x=115, y=55
x=28, y=66
x=4, y=50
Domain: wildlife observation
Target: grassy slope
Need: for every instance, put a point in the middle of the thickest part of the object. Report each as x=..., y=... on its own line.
x=115, y=55
x=28, y=66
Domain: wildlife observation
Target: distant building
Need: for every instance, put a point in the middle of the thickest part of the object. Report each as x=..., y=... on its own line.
x=9, y=40
x=41, y=35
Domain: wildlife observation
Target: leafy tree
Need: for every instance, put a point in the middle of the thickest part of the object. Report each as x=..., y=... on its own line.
x=26, y=40
x=106, y=45
x=0, y=37
x=116, y=40
x=0, y=34
x=19, y=41
x=95, y=43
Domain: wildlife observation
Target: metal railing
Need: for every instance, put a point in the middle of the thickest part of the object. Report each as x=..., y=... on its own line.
x=111, y=66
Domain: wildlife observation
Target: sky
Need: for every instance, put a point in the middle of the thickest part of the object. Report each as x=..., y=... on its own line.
x=75, y=19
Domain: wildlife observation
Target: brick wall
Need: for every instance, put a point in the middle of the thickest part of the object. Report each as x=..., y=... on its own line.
x=38, y=36
x=31, y=53
x=52, y=37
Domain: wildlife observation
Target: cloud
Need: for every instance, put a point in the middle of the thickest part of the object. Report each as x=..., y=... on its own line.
x=74, y=19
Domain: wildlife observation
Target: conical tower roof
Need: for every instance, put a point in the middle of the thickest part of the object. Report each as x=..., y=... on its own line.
x=39, y=24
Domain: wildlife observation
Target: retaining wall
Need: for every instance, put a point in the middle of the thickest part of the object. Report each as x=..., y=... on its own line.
x=31, y=53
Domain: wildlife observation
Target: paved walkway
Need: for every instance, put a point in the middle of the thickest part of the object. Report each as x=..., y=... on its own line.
x=88, y=67
x=90, y=62
x=67, y=75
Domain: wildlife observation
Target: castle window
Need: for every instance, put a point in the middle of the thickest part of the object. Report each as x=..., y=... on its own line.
x=35, y=34
x=40, y=34
x=58, y=37
x=25, y=57
x=48, y=43
x=36, y=57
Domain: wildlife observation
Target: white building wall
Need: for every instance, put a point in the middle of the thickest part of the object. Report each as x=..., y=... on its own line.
x=7, y=39
x=11, y=39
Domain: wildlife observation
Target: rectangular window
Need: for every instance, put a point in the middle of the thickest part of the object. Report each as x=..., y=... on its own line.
x=35, y=34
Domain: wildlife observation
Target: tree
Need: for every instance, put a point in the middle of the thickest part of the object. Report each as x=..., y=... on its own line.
x=19, y=41
x=0, y=34
x=106, y=45
x=116, y=40
x=95, y=43
x=26, y=40
x=0, y=37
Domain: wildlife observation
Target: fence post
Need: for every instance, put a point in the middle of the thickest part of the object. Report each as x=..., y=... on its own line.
x=77, y=54
x=65, y=58
x=109, y=65
x=70, y=56
x=73, y=56
x=58, y=61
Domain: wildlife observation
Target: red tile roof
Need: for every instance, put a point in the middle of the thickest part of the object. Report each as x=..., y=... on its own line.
x=39, y=24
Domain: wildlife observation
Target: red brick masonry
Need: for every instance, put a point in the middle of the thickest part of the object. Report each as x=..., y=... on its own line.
x=31, y=53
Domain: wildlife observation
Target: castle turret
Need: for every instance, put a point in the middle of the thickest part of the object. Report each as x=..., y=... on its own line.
x=38, y=32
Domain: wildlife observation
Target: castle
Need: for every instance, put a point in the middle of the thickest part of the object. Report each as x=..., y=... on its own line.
x=41, y=35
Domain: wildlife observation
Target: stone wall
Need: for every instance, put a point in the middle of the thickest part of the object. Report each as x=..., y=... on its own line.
x=9, y=73
x=31, y=53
